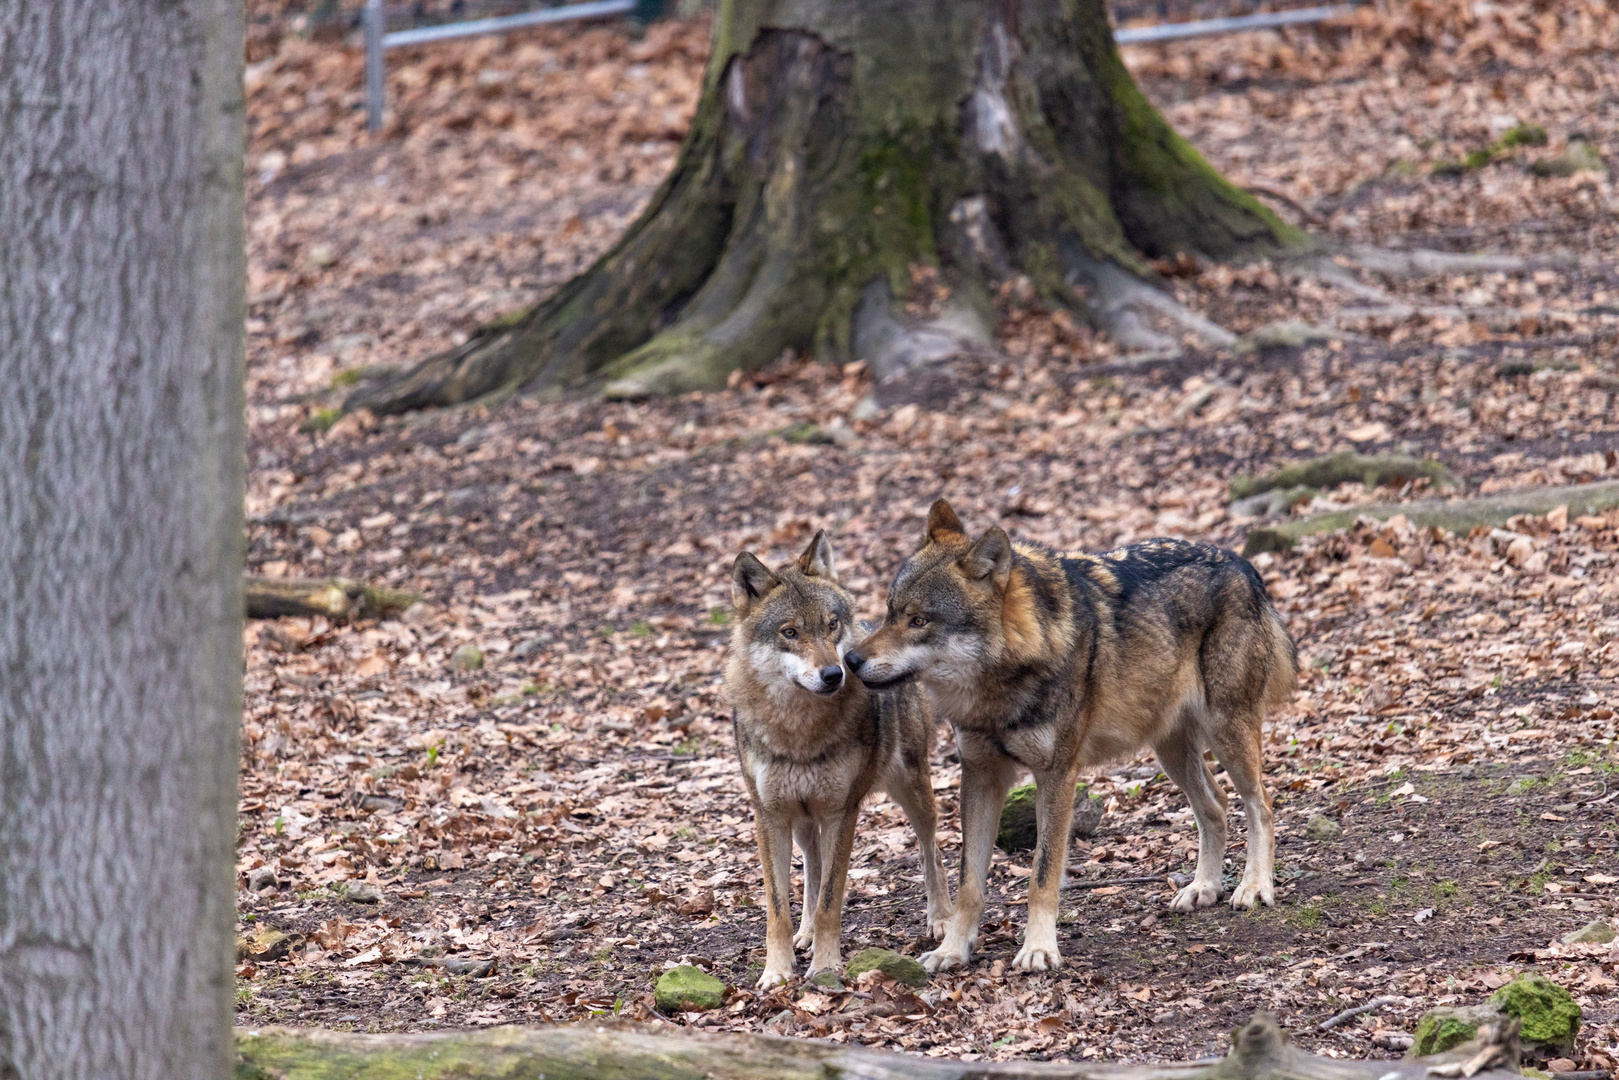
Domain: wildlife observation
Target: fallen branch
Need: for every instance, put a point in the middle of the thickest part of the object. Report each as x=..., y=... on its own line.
x=1349, y=1014
x=1260, y=1049
x=1459, y=516
x=335, y=598
x=1330, y=470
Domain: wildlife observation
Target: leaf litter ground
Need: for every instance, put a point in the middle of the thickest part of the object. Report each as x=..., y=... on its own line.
x=537, y=838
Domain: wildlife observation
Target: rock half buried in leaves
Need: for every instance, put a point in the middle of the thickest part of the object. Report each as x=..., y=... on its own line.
x=685, y=988
x=901, y=969
x=1550, y=1017
x=467, y=658
x=1321, y=827
x=265, y=943
x=1018, y=831
x=1592, y=933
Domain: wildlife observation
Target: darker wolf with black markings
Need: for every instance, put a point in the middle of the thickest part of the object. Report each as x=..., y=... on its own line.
x=1055, y=662
x=813, y=744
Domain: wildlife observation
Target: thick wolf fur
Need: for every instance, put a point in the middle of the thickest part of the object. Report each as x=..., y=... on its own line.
x=813, y=743
x=1055, y=662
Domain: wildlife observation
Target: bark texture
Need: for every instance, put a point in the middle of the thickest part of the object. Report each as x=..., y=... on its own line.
x=599, y=1052
x=121, y=479
x=838, y=142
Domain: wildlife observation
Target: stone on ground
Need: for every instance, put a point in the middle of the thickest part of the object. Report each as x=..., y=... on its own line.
x=1448, y=1026
x=1592, y=933
x=685, y=989
x=1018, y=830
x=1550, y=1017
x=1321, y=827
x=467, y=658
x=901, y=969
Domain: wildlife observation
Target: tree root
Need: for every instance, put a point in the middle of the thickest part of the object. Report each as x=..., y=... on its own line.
x=1259, y=1049
x=1459, y=516
x=1330, y=470
x=334, y=598
x=1121, y=305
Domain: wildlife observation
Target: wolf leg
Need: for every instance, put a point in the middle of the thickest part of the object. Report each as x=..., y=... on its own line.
x=807, y=834
x=912, y=788
x=986, y=777
x=775, y=837
x=838, y=830
x=1181, y=756
x=1053, y=815
x=1241, y=751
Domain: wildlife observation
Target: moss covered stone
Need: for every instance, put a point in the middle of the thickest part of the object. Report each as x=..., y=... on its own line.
x=1549, y=1014
x=1447, y=1027
x=901, y=969
x=1018, y=830
x=686, y=988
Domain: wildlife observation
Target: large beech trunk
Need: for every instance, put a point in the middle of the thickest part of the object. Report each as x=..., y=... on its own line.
x=588, y=1051
x=122, y=454
x=839, y=142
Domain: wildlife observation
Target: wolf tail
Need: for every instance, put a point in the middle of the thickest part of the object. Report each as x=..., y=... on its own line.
x=1283, y=677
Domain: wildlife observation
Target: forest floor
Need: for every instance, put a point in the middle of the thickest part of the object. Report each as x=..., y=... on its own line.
x=570, y=811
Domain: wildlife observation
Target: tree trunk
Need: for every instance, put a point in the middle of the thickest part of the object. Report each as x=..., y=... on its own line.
x=840, y=142
x=121, y=478
x=588, y=1050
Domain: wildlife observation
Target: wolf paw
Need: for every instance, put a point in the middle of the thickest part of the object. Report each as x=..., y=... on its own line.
x=944, y=958
x=939, y=923
x=1197, y=894
x=1248, y=893
x=804, y=938
x=1037, y=958
x=772, y=979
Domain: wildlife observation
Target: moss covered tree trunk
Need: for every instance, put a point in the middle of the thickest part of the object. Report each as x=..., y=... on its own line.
x=838, y=142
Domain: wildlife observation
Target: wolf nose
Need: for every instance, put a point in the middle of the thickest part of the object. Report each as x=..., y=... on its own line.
x=831, y=675
x=854, y=660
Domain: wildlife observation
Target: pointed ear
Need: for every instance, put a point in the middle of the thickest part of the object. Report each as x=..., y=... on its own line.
x=942, y=522
x=817, y=558
x=989, y=557
x=750, y=582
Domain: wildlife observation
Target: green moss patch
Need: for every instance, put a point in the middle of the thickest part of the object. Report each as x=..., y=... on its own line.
x=1548, y=1013
x=1018, y=831
x=899, y=968
x=685, y=988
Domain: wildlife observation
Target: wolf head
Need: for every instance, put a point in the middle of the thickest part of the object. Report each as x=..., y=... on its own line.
x=945, y=610
x=793, y=625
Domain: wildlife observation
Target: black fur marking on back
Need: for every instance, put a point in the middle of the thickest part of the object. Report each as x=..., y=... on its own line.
x=1139, y=566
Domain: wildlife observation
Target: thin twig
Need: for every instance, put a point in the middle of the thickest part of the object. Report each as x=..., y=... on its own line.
x=1287, y=200
x=1159, y=879
x=1350, y=1014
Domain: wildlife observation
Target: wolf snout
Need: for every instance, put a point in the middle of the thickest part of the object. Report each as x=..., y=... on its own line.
x=854, y=660
x=831, y=676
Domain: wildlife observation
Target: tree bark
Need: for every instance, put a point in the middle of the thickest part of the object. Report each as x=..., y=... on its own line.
x=592, y=1051
x=837, y=144
x=121, y=479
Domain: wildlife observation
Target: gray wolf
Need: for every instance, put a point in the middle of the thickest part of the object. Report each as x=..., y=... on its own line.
x=1054, y=662
x=813, y=743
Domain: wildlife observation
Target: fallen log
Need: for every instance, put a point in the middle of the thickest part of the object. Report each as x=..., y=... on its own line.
x=1260, y=1051
x=1459, y=516
x=335, y=598
x=1330, y=470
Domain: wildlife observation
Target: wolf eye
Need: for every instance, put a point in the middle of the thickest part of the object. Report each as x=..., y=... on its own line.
x=832, y=624
x=918, y=621
x=788, y=632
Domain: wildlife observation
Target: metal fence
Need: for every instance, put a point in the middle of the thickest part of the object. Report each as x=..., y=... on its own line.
x=378, y=40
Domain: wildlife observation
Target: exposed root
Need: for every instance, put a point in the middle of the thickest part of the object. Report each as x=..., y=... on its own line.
x=1122, y=304
x=1419, y=261
x=1330, y=470
x=892, y=348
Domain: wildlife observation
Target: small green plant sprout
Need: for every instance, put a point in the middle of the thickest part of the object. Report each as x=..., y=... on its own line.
x=280, y=824
x=718, y=616
x=640, y=629
x=345, y=378
x=606, y=630
x=433, y=754
x=1496, y=683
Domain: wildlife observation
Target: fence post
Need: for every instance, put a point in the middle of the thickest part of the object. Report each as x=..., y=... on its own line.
x=375, y=71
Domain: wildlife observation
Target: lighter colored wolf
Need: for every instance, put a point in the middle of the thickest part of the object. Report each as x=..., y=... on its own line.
x=813, y=744
x=1057, y=662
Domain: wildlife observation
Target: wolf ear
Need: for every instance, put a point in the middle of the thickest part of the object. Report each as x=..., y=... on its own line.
x=942, y=522
x=817, y=558
x=750, y=581
x=989, y=557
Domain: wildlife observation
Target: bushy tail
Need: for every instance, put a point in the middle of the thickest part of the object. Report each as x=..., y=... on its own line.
x=1283, y=678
